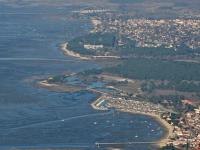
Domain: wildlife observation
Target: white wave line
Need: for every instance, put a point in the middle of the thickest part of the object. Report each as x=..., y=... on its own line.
x=61, y=120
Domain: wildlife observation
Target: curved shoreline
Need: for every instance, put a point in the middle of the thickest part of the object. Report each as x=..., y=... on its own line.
x=168, y=128
x=97, y=105
x=163, y=141
x=57, y=87
x=71, y=53
x=68, y=52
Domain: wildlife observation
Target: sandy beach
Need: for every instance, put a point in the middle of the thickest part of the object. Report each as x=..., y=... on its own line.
x=97, y=103
x=68, y=52
x=169, y=128
x=58, y=87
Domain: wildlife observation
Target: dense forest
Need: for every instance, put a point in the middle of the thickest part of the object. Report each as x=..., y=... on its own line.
x=77, y=44
x=145, y=69
x=127, y=47
x=183, y=86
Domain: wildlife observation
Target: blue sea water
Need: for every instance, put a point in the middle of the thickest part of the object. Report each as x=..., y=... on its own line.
x=31, y=117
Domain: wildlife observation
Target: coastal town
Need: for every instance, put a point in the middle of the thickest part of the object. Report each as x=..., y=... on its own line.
x=177, y=34
x=185, y=133
x=100, y=75
x=183, y=127
x=168, y=33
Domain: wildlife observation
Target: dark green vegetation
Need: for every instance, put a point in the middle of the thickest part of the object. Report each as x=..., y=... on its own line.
x=56, y=79
x=169, y=147
x=183, y=86
x=130, y=48
x=121, y=46
x=105, y=39
x=174, y=99
x=145, y=69
x=163, y=80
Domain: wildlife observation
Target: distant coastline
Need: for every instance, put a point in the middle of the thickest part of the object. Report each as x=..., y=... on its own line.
x=99, y=104
x=96, y=104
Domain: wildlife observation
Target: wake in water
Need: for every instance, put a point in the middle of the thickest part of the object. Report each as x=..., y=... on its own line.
x=37, y=59
x=60, y=120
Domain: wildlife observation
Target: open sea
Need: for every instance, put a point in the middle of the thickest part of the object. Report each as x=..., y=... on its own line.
x=35, y=118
